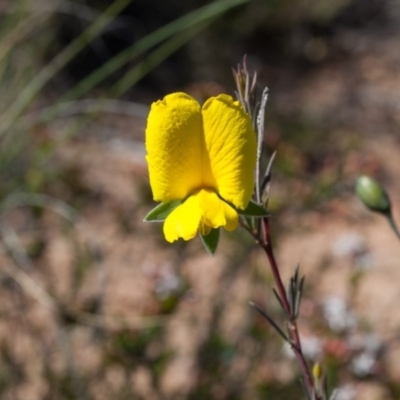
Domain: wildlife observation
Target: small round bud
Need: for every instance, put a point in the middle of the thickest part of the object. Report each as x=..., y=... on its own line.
x=371, y=193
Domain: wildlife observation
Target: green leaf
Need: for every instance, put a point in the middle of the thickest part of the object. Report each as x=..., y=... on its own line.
x=162, y=211
x=210, y=241
x=254, y=210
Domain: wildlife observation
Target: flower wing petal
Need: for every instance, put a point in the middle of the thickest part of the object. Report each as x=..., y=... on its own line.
x=184, y=221
x=199, y=213
x=232, y=148
x=175, y=147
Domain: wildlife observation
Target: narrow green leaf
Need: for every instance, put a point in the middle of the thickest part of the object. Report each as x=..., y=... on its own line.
x=162, y=211
x=254, y=210
x=210, y=241
x=270, y=320
x=27, y=95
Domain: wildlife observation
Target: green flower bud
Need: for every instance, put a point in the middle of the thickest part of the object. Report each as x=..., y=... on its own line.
x=371, y=193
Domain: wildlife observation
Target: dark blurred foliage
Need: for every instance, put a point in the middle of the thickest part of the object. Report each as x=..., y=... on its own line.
x=283, y=34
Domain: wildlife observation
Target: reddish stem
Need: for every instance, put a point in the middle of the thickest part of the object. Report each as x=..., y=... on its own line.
x=293, y=330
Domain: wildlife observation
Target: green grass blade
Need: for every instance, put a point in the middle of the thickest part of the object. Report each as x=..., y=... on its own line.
x=29, y=93
x=155, y=58
x=186, y=22
x=190, y=20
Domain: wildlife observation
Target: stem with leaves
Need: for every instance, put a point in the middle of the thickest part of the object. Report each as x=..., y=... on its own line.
x=290, y=307
x=289, y=300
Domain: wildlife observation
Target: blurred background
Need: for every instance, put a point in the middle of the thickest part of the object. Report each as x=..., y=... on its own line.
x=94, y=303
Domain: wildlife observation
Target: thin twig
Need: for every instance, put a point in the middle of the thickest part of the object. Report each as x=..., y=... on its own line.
x=292, y=324
x=393, y=225
x=270, y=320
x=261, y=231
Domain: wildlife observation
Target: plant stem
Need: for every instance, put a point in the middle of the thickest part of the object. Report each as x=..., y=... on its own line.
x=265, y=243
x=393, y=225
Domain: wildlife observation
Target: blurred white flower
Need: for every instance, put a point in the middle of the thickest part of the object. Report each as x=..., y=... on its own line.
x=346, y=392
x=354, y=246
x=369, y=348
x=165, y=279
x=337, y=314
x=168, y=283
x=363, y=364
x=348, y=244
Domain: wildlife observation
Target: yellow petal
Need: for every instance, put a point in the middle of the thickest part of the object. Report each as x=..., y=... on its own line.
x=175, y=147
x=232, y=148
x=199, y=213
x=215, y=212
x=183, y=222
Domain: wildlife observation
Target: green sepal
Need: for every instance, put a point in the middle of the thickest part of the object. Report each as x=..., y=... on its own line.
x=249, y=222
x=254, y=210
x=211, y=240
x=161, y=212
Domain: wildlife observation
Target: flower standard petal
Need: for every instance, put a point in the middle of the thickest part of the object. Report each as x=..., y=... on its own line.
x=175, y=147
x=232, y=148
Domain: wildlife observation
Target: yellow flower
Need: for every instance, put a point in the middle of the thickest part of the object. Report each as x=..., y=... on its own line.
x=203, y=156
